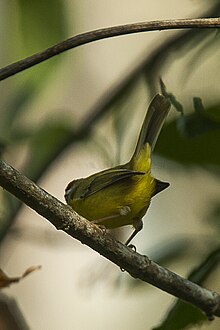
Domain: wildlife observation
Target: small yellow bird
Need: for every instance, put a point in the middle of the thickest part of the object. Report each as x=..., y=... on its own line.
x=121, y=195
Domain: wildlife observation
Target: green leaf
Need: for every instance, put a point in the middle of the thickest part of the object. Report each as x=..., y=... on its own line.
x=42, y=24
x=35, y=25
x=199, y=122
x=181, y=316
x=192, y=139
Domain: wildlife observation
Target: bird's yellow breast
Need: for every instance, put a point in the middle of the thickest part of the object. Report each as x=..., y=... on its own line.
x=120, y=204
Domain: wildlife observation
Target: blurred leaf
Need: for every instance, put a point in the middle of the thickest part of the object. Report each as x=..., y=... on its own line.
x=166, y=252
x=42, y=23
x=198, y=106
x=201, y=273
x=46, y=142
x=3, y=145
x=182, y=315
x=169, y=250
x=14, y=108
x=178, y=47
x=159, y=60
x=39, y=25
x=177, y=105
x=213, y=218
x=192, y=139
x=6, y=281
x=199, y=122
x=214, y=113
x=205, y=49
x=11, y=317
x=10, y=205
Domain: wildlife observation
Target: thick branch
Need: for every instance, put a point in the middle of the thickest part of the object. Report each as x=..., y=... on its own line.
x=84, y=38
x=138, y=266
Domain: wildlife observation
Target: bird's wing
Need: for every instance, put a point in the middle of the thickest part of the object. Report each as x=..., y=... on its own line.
x=107, y=179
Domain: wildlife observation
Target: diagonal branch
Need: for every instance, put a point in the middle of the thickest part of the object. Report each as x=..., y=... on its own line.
x=138, y=266
x=85, y=38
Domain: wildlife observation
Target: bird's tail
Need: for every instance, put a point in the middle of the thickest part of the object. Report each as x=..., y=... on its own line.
x=153, y=122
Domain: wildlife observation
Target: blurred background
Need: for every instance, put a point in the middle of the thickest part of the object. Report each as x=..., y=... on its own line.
x=81, y=112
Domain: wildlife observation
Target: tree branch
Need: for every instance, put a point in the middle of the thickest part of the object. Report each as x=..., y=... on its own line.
x=84, y=38
x=138, y=266
x=149, y=64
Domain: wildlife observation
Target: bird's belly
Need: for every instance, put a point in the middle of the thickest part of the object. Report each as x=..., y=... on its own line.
x=117, y=206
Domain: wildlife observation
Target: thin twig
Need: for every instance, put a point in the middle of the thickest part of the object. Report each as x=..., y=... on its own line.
x=138, y=266
x=84, y=38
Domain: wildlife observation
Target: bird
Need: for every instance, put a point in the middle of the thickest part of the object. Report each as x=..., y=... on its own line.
x=121, y=195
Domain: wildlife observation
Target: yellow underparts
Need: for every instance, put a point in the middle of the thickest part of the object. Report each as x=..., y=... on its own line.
x=124, y=202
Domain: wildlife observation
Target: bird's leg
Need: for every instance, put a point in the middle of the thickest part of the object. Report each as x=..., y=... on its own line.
x=138, y=225
x=102, y=226
x=123, y=211
x=97, y=221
